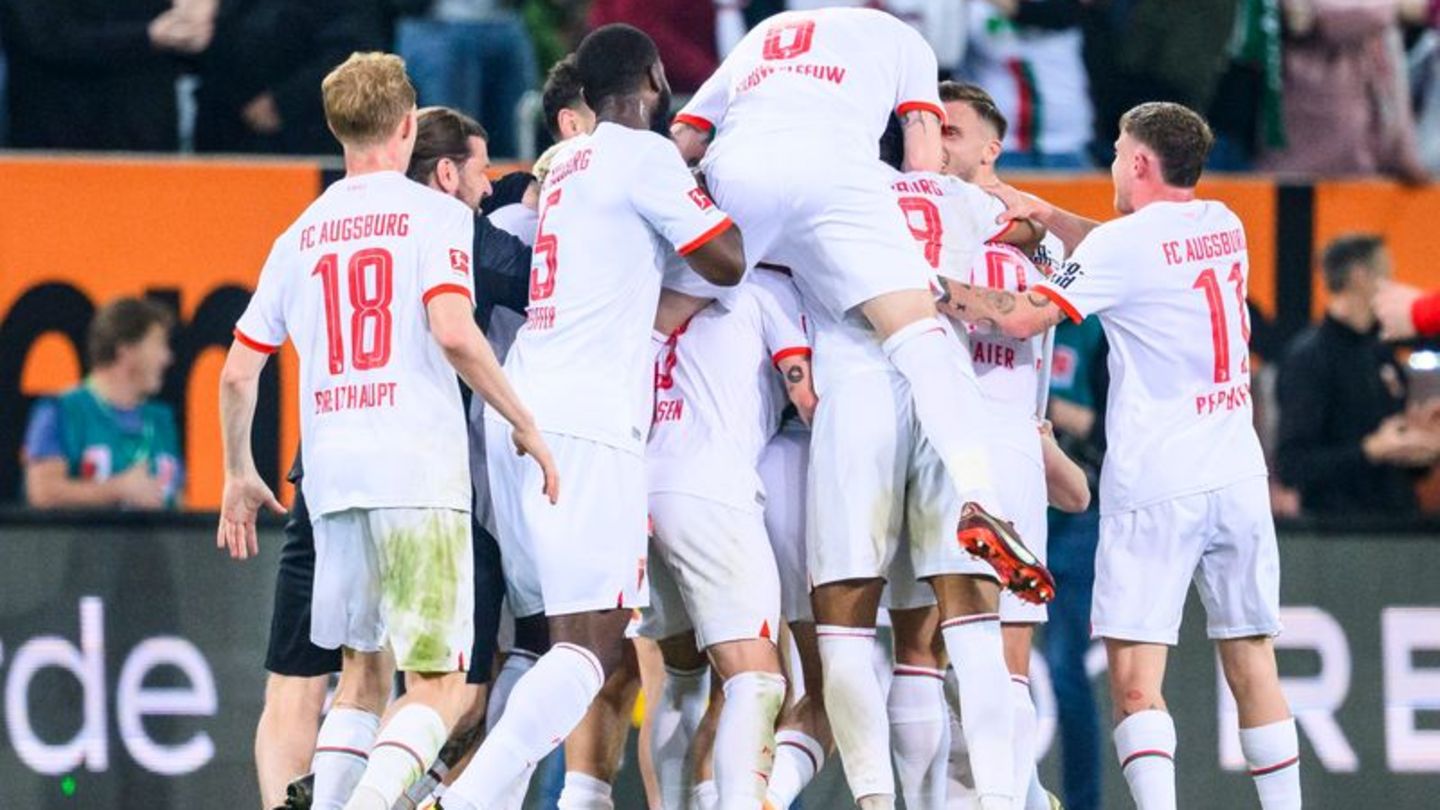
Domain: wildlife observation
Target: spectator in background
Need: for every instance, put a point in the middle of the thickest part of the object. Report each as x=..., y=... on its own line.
x=1027, y=55
x=942, y=22
x=98, y=75
x=1246, y=113
x=106, y=443
x=1078, y=385
x=683, y=30
x=1345, y=76
x=260, y=77
x=471, y=55
x=1346, y=442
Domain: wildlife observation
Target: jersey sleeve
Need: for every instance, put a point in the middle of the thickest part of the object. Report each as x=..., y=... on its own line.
x=42, y=434
x=665, y=195
x=262, y=326
x=781, y=319
x=706, y=109
x=917, y=88
x=1092, y=280
x=445, y=265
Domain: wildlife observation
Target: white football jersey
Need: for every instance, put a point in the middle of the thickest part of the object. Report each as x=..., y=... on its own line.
x=951, y=221
x=718, y=394
x=613, y=205
x=381, y=421
x=829, y=77
x=1169, y=285
x=1008, y=368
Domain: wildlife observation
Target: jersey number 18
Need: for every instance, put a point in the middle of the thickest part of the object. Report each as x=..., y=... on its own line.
x=369, y=307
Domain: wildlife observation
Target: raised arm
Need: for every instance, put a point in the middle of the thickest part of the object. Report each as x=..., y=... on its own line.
x=1070, y=228
x=452, y=323
x=1016, y=315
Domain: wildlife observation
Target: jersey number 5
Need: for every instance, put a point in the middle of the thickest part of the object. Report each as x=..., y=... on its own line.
x=548, y=246
x=370, y=315
x=1209, y=283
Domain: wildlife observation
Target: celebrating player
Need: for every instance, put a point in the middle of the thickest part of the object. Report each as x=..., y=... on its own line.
x=382, y=429
x=583, y=361
x=1183, y=491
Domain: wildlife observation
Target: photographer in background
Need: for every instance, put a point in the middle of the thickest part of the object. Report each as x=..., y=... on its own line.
x=106, y=442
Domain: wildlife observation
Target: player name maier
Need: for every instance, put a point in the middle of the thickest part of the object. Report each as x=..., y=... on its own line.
x=354, y=396
x=1209, y=246
x=364, y=226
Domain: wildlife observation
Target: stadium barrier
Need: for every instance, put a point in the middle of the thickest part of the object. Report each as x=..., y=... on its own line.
x=131, y=663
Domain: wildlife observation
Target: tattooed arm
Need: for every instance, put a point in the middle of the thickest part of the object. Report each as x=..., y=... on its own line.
x=1017, y=315
x=799, y=385
x=924, y=151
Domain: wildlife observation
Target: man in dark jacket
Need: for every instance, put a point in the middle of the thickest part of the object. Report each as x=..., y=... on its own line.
x=1345, y=441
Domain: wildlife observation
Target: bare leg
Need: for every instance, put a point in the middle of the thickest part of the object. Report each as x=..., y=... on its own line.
x=285, y=735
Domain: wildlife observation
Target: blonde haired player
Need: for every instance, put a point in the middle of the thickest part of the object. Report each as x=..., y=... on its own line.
x=1182, y=493
x=372, y=283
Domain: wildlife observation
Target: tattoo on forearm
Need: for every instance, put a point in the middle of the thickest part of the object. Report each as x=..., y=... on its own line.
x=795, y=375
x=1003, y=302
x=1037, y=300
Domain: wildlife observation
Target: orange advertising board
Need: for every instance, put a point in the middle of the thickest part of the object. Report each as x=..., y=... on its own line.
x=179, y=229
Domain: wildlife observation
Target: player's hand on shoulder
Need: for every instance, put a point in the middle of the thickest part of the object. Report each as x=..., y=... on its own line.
x=243, y=497
x=530, y=442
x=1018, y=204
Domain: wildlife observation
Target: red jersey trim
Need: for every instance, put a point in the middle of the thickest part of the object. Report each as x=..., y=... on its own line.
x=786, y=354
x=922, y=106
x=695, y=244
x=252, y=343
x=1005, y=229
x=442, y=289
x=694, y=121
x=1425, y=312
x=1059, y=301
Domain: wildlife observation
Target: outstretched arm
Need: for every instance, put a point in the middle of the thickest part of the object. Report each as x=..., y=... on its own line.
x=1071, y=228
x=1017, y=315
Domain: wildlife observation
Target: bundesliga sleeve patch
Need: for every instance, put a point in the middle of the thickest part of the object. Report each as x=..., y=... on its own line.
x=701, y=199
x=460, y=261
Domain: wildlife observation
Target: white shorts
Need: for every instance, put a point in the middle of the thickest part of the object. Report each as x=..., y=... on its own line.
x=402, y=578
x=838, y=228
x=783, y=469
x=866, y=454
x=586, y=552
x=1223, y=540
x=716, y=559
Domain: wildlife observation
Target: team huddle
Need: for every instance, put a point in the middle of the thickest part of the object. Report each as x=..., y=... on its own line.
x=801, y=381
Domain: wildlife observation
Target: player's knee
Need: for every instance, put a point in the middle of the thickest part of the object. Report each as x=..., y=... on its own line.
x=1134, y=697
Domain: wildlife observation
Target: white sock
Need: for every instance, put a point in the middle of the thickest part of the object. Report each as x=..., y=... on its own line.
x=945, y=395
x=342, y=749
x=1028, y=792
x=856, y=705
x=704, y=796
x=517, y=663
x=546, y=705
x=978, y=655
x=798, y=758
x=919, y=734
x=584, y=792
x=1145, y=744
x=1273, y=754
x=678, y=711
x=404, y=749
x=745, y=738
x=425, y=786
x=521, y=789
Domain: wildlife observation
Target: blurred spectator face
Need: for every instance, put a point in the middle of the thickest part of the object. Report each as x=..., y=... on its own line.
x=146, y=360
x=969, y=141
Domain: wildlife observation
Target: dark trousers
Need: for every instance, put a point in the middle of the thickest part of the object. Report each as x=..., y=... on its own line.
x=1072, y=543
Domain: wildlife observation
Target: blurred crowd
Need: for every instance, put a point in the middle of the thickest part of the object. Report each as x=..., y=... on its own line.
x=243, y=75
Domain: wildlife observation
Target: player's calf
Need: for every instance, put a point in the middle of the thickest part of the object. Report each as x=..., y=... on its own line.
x=919, y=727
x=1267, y=731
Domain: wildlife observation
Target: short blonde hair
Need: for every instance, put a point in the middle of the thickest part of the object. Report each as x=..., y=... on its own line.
x=367, y=97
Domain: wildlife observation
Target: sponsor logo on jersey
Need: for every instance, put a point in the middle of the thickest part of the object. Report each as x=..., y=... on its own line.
x=701, y=199
x=460, y=261
x=1067, y=275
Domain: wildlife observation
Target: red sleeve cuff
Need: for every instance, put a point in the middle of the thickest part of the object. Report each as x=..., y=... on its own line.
x=251, y=343
x=442, y=289
x=922, y=106
x=786, y=354
x=1059, y=301
x=1425, y=312
x=1004, y=229
x=694, y=121
x=694, y=244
